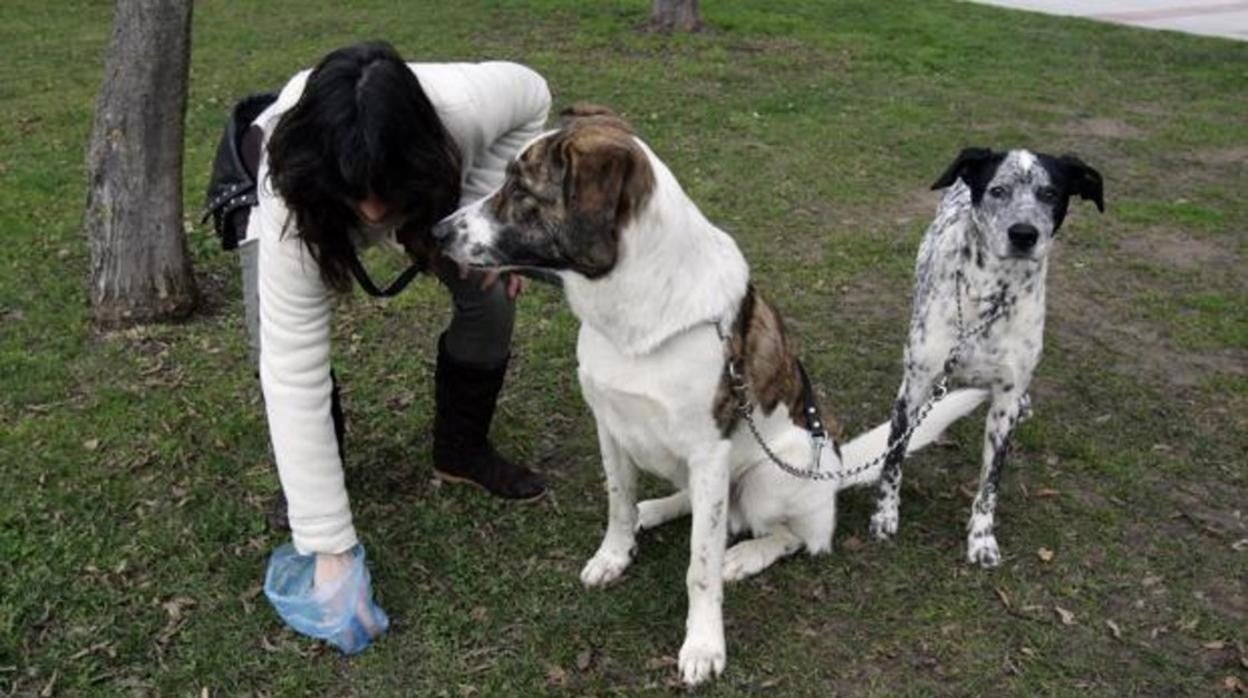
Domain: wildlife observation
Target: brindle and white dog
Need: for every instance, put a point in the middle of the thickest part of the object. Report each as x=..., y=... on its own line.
x=979, y=291
x=666, y=305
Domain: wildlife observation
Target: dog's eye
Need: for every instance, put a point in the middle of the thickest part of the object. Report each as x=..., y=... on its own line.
x=1046, y=194
x=999, y=192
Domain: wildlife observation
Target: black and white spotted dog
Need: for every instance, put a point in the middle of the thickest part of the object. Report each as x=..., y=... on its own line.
x=978, y=313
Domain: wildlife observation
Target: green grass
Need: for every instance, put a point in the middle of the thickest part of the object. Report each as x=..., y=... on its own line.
x=135, y=465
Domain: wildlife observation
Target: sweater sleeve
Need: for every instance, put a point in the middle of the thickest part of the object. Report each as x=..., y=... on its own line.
x=511, y=103
x=294, y=374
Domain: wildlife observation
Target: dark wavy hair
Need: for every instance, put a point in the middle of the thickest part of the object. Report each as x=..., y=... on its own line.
x=362, y=127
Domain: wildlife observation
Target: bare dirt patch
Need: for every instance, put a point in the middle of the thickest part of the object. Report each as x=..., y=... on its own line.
x=1174, y=249
x=1101, y=127
x=1222, y=156
x=1095, y=310
x=1088, y=319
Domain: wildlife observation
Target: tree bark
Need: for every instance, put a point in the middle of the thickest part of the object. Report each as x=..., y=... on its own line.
x=675, y=15
x=140, y=269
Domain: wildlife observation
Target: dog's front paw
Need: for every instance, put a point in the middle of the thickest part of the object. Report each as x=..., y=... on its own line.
x=982, y=550
x=702, y=657
x=746, y=559
x=884, y=523
x=739, y=562
x=605, y=567
x=652, y=513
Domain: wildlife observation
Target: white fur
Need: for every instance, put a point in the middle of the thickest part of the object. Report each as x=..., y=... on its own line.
x=650, y=363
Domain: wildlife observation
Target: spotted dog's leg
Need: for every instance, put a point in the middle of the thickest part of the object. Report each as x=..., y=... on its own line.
x=981, y=544
x=619, y=543
x=655, y=512
x=749, y=557
x=1024, y=407
x=914, y=390
x=703, y=654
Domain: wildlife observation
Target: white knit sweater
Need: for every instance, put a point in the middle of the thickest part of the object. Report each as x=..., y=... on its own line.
x=490, y=110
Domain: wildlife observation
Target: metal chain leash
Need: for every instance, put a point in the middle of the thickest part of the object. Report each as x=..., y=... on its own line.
x=813, y=472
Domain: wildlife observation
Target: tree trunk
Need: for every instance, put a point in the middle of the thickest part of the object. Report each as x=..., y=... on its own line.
x=675, y=15
x=140, y=269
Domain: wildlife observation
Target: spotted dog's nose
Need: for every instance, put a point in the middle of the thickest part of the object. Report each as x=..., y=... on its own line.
x=1023, y=236
x=444, y=232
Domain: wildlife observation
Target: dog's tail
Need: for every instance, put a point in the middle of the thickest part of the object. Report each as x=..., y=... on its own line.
x=872, y=444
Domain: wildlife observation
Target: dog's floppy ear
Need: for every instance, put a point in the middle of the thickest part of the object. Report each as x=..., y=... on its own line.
x=607, y=179
x=1083, y=180
x=961, y=167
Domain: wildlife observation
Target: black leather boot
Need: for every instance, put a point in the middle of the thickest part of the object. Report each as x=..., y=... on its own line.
x=465, y=397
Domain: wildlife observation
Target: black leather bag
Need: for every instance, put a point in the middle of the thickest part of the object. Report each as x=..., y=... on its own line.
x=232, y=186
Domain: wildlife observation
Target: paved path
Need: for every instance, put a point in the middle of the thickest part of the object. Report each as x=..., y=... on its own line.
x=1225, y=18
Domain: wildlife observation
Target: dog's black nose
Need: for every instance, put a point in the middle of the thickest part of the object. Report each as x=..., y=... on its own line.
x=443, y=231
x=1023, y=236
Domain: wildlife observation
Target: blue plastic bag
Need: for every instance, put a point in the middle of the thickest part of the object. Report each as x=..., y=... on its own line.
x=340, y=612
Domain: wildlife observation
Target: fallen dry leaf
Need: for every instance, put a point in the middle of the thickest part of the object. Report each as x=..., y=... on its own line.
x=480, y=613
x=1233, y=684
x=1113, y=628
x=1066, y=617
x=48, y=688
x=175, y=605
x=1005, y=598
x=1215, y=645
x=97, y=647
x=91, y=444
x=582, y=660
x=1045, y=554
x=556, y=675
x=1046, y=492
x=852, y=544
x=656, y=663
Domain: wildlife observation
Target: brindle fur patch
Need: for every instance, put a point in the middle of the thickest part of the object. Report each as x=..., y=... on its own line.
x=770, y=358
x=566, y=198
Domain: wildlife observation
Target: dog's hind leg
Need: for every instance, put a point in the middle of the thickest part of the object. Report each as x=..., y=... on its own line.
x=653, y=513
x=749, y=557
x=884, y=522
x=703, y=654
x=981, y=543
x=618, y=545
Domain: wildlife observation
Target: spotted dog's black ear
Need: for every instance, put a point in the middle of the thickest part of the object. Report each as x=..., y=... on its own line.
x=968, y=160
x=1083, y=180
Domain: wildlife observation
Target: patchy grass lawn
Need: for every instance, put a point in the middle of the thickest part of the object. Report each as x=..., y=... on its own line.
x=135, y=467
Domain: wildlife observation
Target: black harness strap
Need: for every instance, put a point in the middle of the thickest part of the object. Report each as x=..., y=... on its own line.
x=810, y=410
x=810, y=406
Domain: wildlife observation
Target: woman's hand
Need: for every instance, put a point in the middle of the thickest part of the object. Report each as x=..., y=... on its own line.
x=326, y=596
x=330, y=567
x=515, y=283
